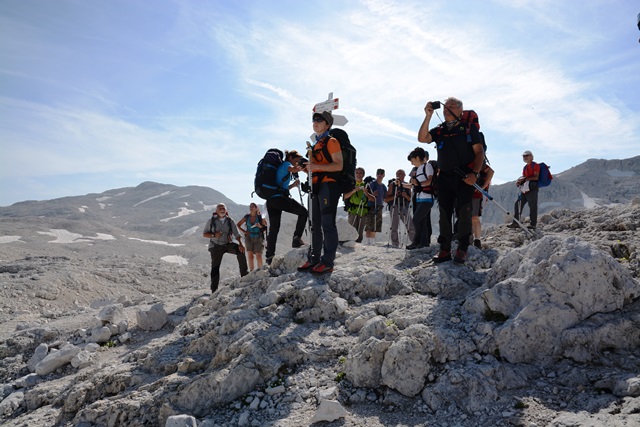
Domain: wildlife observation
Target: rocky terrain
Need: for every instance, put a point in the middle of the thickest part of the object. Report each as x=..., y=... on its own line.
x=106, y=321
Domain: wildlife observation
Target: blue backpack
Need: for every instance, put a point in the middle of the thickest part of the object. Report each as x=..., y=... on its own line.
x=545, y=177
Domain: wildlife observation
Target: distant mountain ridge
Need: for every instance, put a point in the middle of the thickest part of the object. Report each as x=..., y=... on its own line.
x=149, y=208
x=169, y=211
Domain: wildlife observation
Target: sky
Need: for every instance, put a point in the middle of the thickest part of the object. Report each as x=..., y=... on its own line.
x=102, y=95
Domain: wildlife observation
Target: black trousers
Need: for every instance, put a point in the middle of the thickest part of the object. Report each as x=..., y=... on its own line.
x=275, y=207
x=453, y=193
x=422, y=224
x=217, y=252
x=530, y=197
x=324, y=207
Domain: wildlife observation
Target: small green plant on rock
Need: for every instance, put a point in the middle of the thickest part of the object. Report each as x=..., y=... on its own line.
x=521, y=405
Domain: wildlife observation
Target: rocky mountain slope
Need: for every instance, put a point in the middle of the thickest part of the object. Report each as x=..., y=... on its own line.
x=109, y=323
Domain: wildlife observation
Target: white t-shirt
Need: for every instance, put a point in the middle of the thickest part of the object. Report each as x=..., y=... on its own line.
x=422, y=173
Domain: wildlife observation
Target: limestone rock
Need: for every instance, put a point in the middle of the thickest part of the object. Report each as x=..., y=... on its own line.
x=329, y=410
x=39, y=354
x=546, y=287
x=57, y=359
x=10, y=403
x=181, y=421
x=153, y=319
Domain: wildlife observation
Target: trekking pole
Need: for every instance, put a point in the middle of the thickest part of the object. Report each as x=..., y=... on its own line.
x=488, y=196
x=409, y=220
x=302, y=203
x=393, y=211
x=360, y=218
x=310, y=198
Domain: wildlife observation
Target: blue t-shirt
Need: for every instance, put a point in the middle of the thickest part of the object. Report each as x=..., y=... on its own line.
x=382, y=193
x=283, y=178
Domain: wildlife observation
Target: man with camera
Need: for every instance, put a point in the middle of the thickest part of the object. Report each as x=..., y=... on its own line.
x=283, y=202
x=376, y=191
x=460, y=159
x=398, y=200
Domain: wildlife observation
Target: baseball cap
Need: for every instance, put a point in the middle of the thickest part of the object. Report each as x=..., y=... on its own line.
x=326, y=116
x=293, y=154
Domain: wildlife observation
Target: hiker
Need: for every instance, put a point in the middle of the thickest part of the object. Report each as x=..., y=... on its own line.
x=460, y=159
x=421, y=182
x=528, y=186
x=254, y=234
x=282, y=201
x=219, y=230
x=325, y=194
x=398, y=200
x=357, y=204
x=376, y=192
x=486, y=175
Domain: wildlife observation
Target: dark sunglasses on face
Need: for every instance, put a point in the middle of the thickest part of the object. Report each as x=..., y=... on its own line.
x=318, y=120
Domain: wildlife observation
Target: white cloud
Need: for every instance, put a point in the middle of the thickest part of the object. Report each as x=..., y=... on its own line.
x=541, y=75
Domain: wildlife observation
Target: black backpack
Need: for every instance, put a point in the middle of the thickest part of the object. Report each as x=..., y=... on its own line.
x=433, y=187
x=264, y=184
x=346, y=178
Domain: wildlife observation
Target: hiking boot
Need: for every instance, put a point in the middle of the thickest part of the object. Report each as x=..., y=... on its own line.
x=531, y=227
x=442, y=256
x=513, y=225
x=321, y=269
x=297, y=242
x=269, y=260
x=477, y=243
x=461, y=256
x=414, y=246
x=307, y=266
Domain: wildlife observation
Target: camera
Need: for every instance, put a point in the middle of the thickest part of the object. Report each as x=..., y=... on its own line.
x=369, y=180
x=301, y=161
x=435, y=105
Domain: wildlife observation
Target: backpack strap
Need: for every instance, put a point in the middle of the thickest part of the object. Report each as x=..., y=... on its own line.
x=325, y=153
x=228, y=221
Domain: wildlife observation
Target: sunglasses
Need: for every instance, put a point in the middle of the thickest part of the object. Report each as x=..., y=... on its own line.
x=318, y=120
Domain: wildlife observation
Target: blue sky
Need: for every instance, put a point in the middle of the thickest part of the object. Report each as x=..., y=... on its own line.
x=102, y=95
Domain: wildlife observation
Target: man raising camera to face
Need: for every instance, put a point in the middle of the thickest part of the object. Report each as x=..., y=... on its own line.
x=460, y=159
x=398, y=200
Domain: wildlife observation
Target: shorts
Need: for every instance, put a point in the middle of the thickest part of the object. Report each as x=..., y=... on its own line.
x=373, y=221
x=476, y=207
x=255, y=244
